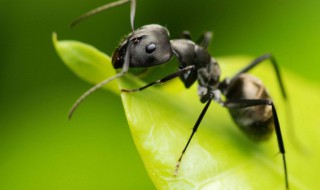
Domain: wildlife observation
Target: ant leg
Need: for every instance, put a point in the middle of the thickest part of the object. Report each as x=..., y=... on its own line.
x=254, y=63
x=205, y=39
x=244, y=103
x=275, y=66
x=105, y=7
x=186, y=35
x=194, y=129
x=189, y=78
x=163, y=80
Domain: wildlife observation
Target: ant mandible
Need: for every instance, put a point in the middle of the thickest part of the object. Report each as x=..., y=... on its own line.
x=247, y=100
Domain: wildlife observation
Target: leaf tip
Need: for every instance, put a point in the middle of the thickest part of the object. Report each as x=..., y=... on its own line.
x=54, y=38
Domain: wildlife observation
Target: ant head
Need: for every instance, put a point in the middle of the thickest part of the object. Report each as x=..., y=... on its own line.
x=147, y=46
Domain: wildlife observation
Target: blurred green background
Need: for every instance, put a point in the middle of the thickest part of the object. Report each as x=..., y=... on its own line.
x=41, y=149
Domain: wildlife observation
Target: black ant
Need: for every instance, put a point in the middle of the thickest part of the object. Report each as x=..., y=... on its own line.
x=247, y=100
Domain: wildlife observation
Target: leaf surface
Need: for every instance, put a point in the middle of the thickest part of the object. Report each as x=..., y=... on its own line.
x=220, y=156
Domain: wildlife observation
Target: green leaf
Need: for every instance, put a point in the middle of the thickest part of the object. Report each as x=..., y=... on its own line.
x=85, y=61
x=220, y=156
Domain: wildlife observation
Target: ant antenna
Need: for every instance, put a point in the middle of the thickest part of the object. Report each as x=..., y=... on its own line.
x=132, y=13
x=105, y=7
x=125, y=69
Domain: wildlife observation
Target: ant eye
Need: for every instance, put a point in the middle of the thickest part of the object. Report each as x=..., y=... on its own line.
x=150, y=48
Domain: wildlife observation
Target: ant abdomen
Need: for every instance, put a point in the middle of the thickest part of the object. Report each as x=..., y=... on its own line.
x=255, y=121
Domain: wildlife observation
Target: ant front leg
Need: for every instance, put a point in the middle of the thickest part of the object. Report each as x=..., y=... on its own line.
x=246, y=103
x=163, y=80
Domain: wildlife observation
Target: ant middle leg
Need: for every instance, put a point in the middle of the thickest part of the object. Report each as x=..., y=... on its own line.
x=194, y=130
